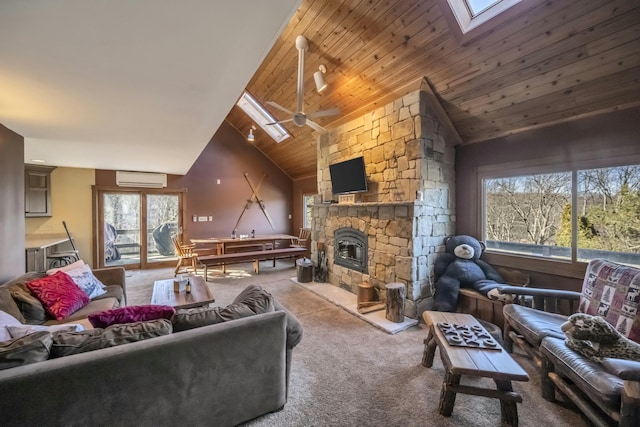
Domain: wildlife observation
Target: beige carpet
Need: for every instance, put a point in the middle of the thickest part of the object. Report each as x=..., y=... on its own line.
x=349, y=373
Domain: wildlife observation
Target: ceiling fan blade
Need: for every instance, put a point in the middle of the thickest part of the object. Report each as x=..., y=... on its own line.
x=315, y=126
x=280, y=107
x=279, y=122
x=324, y=113
x=302, y=45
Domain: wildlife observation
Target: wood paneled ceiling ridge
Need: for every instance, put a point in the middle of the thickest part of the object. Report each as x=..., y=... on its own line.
x=553, y=62
x=533, y=47
x=549, y=90
x=532, y=57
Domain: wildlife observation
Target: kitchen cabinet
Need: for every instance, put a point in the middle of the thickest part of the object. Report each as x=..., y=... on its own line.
x=37, y=190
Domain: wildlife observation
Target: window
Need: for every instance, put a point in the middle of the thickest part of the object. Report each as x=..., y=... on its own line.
x=307, y=204
x=471, y=14
x=262, y=117
x=476, y=7
x=535, y=214
x=608, y=214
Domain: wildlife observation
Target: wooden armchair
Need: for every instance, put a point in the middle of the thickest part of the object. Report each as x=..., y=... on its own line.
x=603, y=392
x=184, y=253
x=302, y=240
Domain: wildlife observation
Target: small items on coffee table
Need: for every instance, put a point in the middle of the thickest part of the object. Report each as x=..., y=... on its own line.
x=199, y=295
x=468, y=336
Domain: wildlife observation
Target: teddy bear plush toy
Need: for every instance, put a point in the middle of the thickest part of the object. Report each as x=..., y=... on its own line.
x=460, y=266
x=595, y=339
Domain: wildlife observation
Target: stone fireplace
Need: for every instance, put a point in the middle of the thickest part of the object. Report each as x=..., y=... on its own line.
x=409, y=207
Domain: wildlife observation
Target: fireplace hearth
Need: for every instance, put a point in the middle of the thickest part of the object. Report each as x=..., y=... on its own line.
x=351, y=249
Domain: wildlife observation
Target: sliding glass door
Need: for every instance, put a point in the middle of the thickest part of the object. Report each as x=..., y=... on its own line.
x=162, y=223
x=134, y=228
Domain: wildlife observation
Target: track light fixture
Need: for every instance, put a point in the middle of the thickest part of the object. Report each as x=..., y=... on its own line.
x=251, y=137
x=318, y=76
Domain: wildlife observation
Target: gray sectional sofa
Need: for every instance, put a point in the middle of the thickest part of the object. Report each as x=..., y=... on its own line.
x=217, y=375
x=222, y=374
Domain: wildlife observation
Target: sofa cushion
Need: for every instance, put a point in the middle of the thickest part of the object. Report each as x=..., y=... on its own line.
x=19, y=331
x=252, y=300
x=590, y=377
x=59, y=295
x=534, y=324
x=68, y=267
x=7, y=320
x=8, y=305
x=133, y=313
x=67, y=343
x=623, y=368
x=112, y=291
x=23, y=351
x=256, y=298
x=94, y=306
x=84, y=278
x=612, y=291
x=30, y=306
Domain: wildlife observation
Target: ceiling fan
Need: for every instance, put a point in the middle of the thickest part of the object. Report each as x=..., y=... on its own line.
x=299, y=117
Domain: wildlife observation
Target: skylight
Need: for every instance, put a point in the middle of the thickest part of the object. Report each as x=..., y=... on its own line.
x=476, y=7
x=261, y=116
x=472, y=13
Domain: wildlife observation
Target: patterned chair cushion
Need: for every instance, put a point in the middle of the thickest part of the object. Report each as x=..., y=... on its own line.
x=612, y=291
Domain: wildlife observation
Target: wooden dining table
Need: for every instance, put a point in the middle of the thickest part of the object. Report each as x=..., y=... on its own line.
x=223, y=244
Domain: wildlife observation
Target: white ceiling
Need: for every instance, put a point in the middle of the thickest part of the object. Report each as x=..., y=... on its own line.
x=131, y=85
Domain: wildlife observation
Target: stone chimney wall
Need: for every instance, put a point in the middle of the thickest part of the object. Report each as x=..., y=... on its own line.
x=409, y=206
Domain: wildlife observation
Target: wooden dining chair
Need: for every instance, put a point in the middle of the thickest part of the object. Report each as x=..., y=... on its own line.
x=302, y=240
x=185, y=253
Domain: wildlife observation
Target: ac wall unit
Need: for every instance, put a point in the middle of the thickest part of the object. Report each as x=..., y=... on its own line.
x=141, y=179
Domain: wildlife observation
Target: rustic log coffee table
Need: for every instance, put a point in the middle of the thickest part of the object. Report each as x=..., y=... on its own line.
x=466, y=349
x=163, y=293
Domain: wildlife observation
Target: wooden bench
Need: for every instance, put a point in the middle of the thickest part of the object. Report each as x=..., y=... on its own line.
x=255, y=256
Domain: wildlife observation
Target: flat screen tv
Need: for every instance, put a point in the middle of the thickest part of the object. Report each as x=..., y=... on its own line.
x=349, y=176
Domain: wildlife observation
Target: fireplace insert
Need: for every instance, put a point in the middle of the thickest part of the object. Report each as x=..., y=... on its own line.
x=351, y=249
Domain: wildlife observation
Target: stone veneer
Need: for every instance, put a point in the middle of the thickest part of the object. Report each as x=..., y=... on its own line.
x=406, y=155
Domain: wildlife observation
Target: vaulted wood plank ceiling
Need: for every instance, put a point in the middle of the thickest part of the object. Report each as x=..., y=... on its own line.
x=555, y=61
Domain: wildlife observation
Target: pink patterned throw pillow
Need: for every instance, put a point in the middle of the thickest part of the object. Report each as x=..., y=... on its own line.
x=59, y=295
x=132, y=313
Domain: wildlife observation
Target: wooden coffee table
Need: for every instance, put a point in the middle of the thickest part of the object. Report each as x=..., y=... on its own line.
x=490, y=362
x=163, y=293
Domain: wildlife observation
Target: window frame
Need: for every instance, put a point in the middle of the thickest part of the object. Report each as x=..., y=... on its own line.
x=565, y=267
x=476, y=27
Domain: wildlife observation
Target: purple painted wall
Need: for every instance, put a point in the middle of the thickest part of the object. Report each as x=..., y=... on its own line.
x=227, y=156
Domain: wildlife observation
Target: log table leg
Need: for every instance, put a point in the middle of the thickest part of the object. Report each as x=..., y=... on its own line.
x=508, y=408
x=474, y=362
x=395, y=302
x=447, y=396
x=429, y=350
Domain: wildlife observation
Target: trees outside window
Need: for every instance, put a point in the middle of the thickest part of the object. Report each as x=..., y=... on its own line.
x=533, y=214
x=307, y=204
